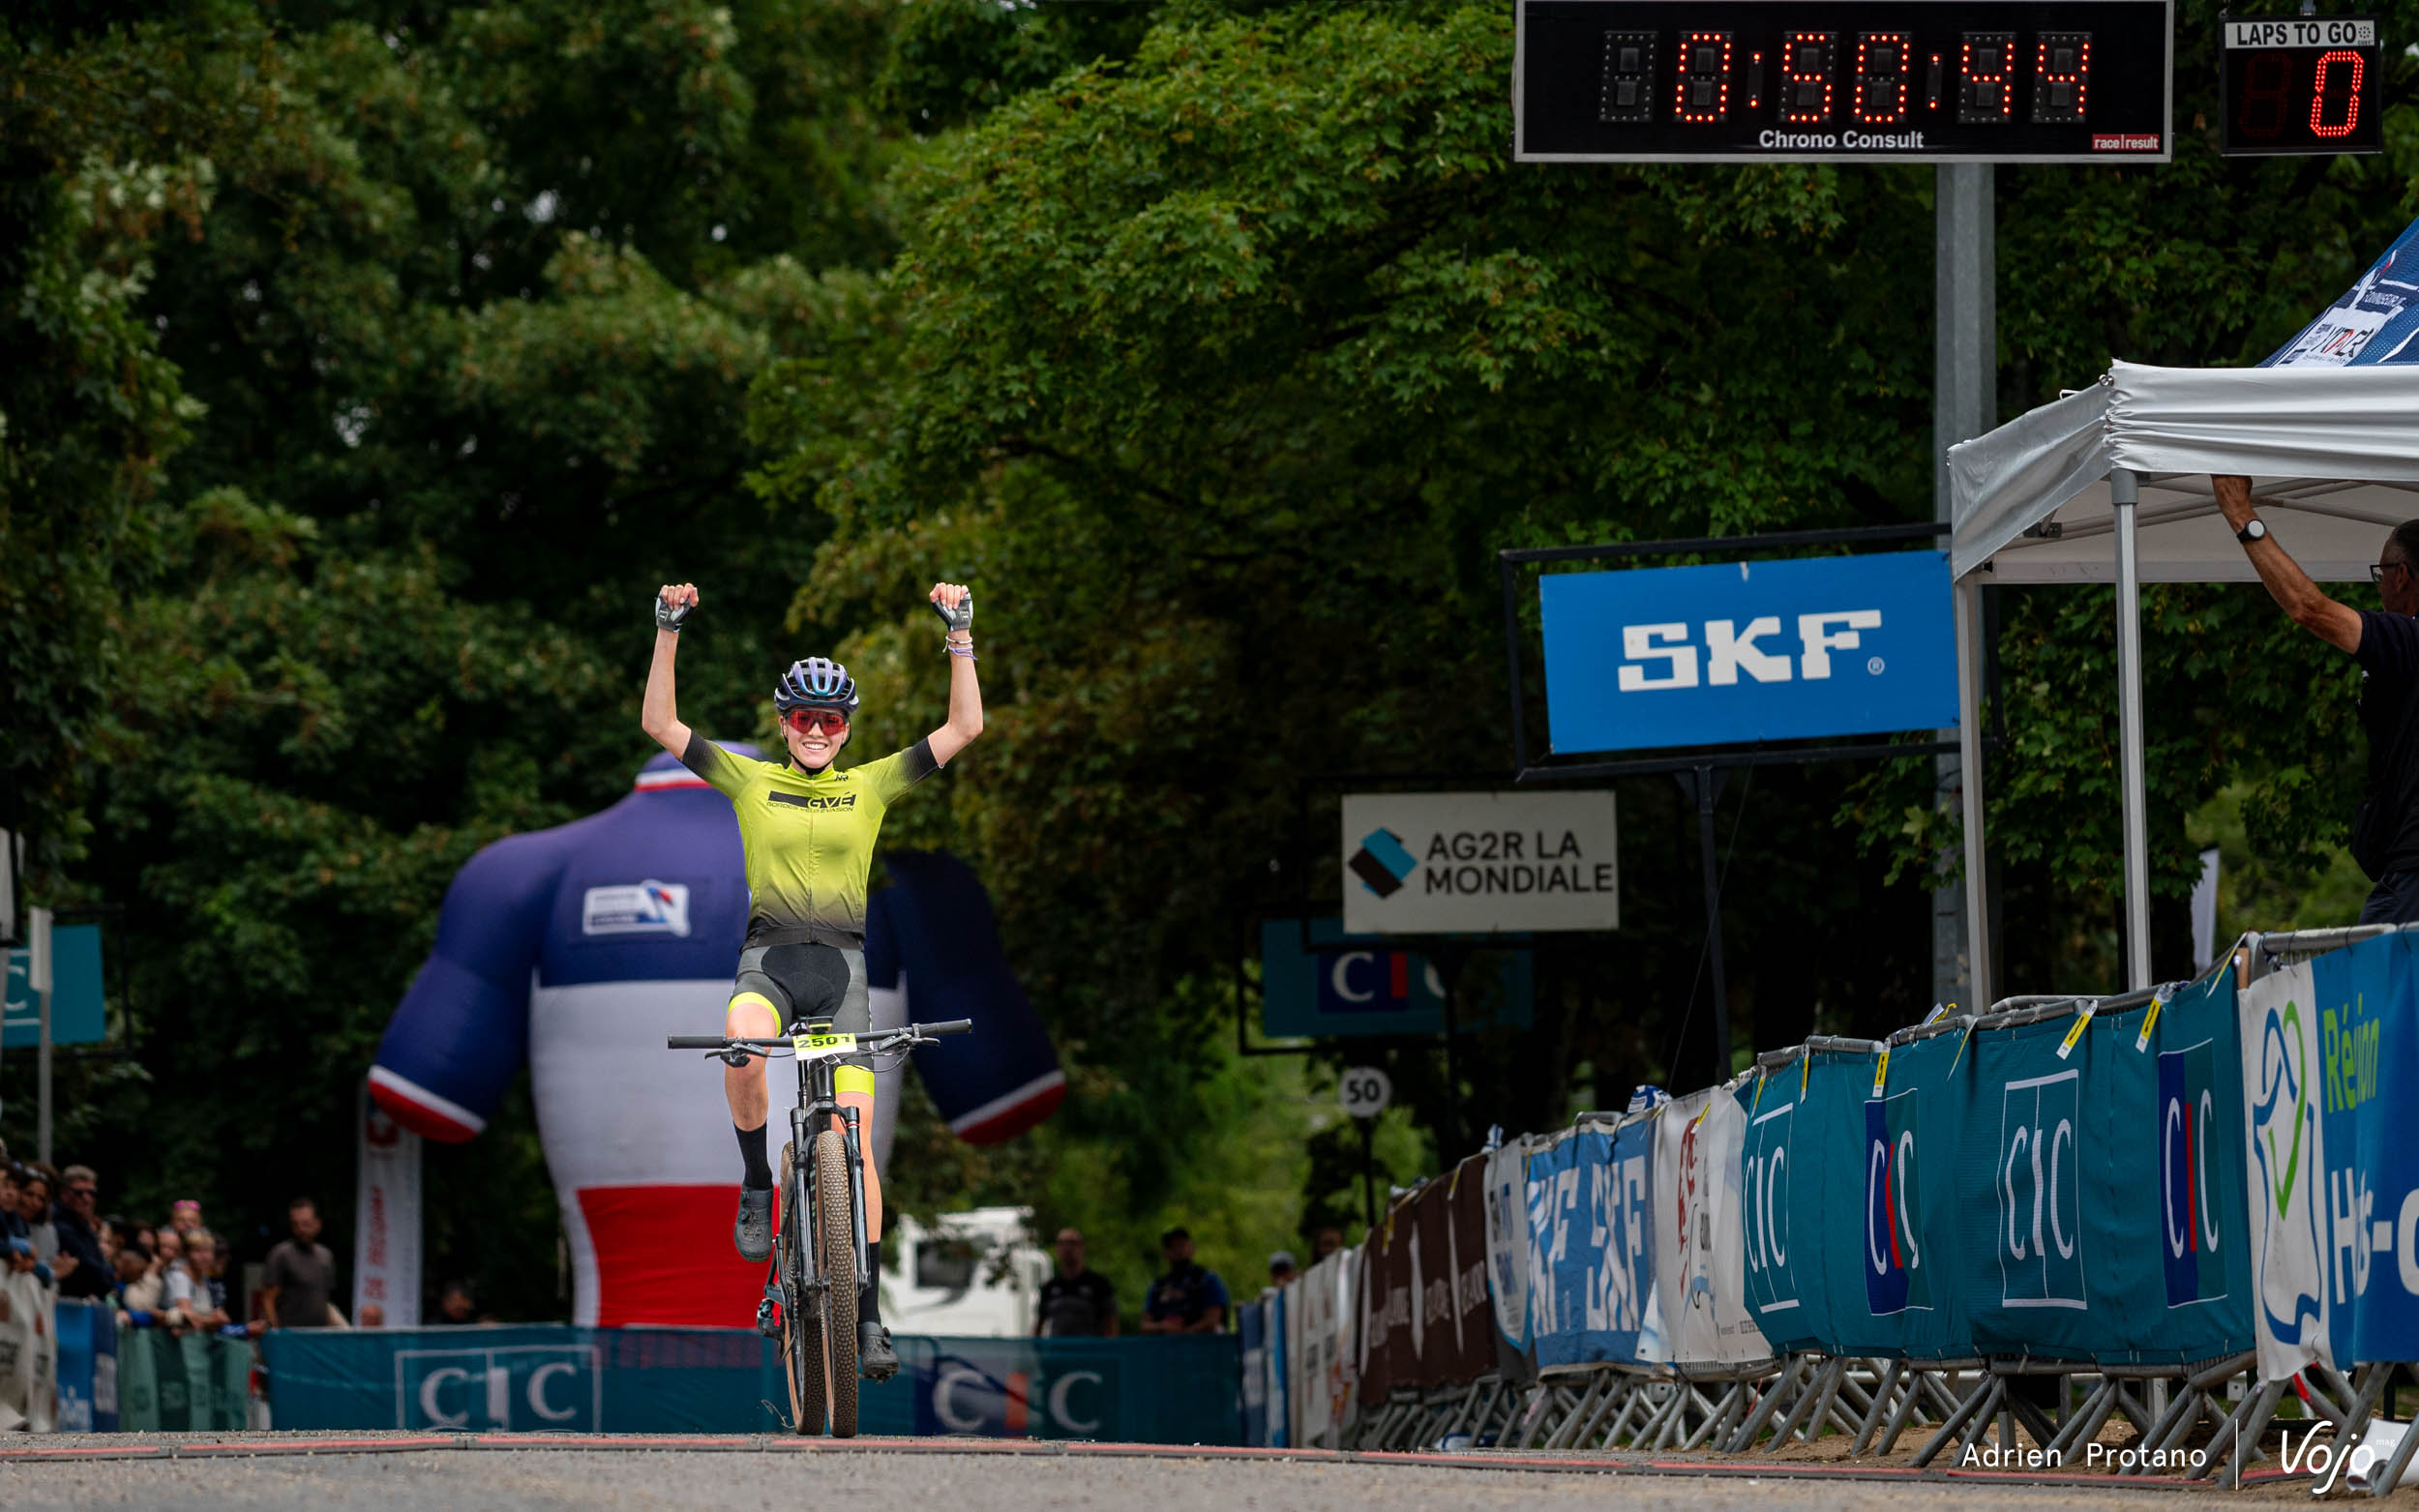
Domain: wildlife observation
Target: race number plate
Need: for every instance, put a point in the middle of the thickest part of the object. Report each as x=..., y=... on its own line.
x=823, y=1047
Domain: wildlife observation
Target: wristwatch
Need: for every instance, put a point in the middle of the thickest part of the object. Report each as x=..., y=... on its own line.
x=2256, y=530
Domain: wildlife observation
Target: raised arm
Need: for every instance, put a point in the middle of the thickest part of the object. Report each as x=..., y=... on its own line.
x=2309, y=605
x=660, y=715
x=955, y=606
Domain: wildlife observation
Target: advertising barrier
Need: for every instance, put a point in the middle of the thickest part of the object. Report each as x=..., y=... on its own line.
x=561, y=1379
x=1321, y=1362
x=28, y=1355
x=1506, y=1198
x=178, y=1384
x=1592, y=1297
x=1700, y=1268
x=88, y=1367
x=2330, y=1058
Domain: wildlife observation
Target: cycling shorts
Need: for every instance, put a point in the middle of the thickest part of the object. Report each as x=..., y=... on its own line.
x=809, y=982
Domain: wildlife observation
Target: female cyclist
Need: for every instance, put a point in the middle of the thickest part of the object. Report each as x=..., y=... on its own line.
x=808, y=830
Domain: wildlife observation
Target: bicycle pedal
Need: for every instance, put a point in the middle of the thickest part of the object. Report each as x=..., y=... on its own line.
x=767, y=1318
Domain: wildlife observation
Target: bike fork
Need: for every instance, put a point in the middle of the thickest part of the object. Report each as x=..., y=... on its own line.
x=856, y=1199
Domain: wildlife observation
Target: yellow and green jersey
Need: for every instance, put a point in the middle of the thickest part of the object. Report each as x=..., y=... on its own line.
x=809, y=840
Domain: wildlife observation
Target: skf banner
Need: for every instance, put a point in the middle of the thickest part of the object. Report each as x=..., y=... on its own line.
x=1507, y=1258
x=2284, y=1139
x=1700, y=1264
x=1704, y=655
x=387, y=1218
x=1591, y=1252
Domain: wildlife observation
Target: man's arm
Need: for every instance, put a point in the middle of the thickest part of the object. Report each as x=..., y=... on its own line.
x=2310, y=608
x=1212, y=1320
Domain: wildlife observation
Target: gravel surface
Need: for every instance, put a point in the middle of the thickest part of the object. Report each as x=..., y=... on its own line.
x=757, y=1482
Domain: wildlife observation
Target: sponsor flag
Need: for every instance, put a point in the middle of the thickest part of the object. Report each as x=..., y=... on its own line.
x=2284, y=1140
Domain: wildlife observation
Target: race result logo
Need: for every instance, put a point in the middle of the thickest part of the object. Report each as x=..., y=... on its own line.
x=1381, y=863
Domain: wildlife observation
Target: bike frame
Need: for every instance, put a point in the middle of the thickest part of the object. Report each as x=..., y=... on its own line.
x=819, y=1100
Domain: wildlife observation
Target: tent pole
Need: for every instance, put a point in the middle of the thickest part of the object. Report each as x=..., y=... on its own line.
x=2124, y=493
x=1978, y=976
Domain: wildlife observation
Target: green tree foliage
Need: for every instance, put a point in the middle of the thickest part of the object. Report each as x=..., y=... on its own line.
x=363, y=366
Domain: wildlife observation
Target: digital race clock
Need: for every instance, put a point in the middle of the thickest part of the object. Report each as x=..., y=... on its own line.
x=2301, y=84
x=1844, y=80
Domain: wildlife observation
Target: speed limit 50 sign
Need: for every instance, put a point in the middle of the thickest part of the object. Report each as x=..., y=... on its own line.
x=1364, y=1091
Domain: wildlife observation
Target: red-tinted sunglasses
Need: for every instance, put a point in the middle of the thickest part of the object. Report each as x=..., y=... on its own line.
x=805, y=720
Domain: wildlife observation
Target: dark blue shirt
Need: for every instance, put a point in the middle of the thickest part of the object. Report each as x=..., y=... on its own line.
x=1183, y=1294
x=2385, y=832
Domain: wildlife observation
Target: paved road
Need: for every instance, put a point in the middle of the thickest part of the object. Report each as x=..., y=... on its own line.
x=531, y=1480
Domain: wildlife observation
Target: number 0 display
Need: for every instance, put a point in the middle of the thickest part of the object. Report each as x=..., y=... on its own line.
x=2301, y=84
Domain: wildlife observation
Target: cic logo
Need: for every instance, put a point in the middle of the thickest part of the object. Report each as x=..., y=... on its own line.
x=2187, y=1176
x=559, y=1388
x=2041, y=1199
x=1895, y=1277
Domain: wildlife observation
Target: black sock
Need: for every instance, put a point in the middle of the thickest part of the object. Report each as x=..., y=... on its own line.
x=760, y=1176
x=873, y=1294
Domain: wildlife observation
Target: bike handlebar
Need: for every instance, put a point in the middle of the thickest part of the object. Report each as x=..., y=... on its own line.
x=911, y=1032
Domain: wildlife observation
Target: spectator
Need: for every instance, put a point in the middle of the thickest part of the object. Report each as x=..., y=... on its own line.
x=1078, y=1301
x=138, y=1289
x=372, y=1316
x=1326, y=1243
x=80, y=1268
x=1281, y=1267
x=176, y=1279
x=33, y=1209
x=1188, y=1298
x=185, y=1217
x=299, y=1282
x=207, y=1306
x=456, y=1305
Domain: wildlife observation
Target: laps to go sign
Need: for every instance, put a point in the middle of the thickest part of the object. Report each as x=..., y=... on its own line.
x=1479, y=863
x=1748, y=651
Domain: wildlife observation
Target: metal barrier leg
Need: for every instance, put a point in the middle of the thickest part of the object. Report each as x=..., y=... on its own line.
x=1774, y=1393
x=1980, y=1402
x=1881, y=1395
x=1561, y=1436
x=2386, y=1477
x=1904, y=1412
x=1715, y=1418
x=2084, y=1426
x=1545, y=1414
x=2243, y=1427
x=1804, y=1413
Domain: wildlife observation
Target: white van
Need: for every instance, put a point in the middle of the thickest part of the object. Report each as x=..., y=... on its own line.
x=974, y=1274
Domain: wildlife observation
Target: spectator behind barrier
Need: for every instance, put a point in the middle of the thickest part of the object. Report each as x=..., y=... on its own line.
x=33, y=1210
x=80, y=1268
x=457, y=1304
x=1188, y=1298
x=1077, y=1300
x=1281, y=1267
x=1326, y=1243
x=299, y=1284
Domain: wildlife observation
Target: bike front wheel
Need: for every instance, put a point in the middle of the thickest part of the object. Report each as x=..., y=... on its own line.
x=802, y=1337
x=836, y=1239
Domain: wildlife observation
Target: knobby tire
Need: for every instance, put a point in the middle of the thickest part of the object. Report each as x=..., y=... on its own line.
x=837, y=1238
x=801, y=1338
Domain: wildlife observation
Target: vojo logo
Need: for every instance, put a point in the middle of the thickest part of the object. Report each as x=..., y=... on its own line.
x=1730, y=650
x=1764, y=1205
x=518, y=1389
x=1004, y=1396
x=2039, y=1182
x=1896, y=1275
x=2187, y=1176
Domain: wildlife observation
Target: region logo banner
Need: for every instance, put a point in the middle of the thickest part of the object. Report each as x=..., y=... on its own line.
x=1480, y=863
x=2284, y=1142
x=1748, y=651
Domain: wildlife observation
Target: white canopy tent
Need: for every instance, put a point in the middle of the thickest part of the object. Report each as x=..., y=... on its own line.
x=2111, y=485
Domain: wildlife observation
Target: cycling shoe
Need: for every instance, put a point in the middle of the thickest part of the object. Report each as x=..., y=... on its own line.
x=753, y=1230
x=875, y=1358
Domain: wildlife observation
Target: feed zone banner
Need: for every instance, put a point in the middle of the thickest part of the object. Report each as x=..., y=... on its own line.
x=2330, y=1066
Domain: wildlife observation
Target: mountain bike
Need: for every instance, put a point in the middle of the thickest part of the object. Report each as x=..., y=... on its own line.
x=813, y=1288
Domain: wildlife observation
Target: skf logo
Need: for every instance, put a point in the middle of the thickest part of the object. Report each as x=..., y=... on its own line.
x=2187, y=1121
x=648, y=907
x=1771, y=1283
x=1730, y=650
x=1382, y=862
x=959, y=1394
x=559, y=1387
x=1895, y=1277
x=2039, y=1181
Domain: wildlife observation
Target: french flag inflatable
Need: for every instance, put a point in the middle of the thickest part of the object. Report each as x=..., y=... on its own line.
x=575, y=950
